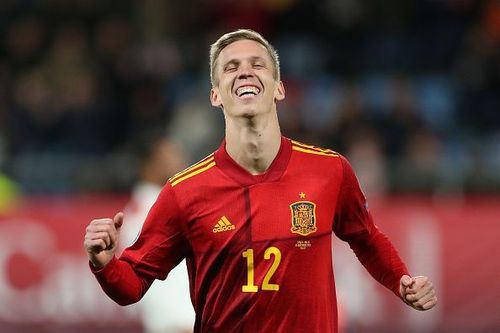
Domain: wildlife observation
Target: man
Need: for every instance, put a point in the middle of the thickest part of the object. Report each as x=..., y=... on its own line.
x=254, y=220
x=166, y=308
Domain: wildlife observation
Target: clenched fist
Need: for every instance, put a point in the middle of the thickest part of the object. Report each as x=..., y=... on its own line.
x=418, y=292
x=101, y=238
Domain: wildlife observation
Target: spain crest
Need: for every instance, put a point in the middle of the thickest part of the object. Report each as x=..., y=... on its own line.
x=303, y=217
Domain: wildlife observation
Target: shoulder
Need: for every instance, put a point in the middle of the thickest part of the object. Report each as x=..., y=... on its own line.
x=314, y=161
x=320, y=158
x=193, y=172
x=303, y=150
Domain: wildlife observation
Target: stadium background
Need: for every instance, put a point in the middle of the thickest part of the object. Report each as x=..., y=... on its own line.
x=409, y=91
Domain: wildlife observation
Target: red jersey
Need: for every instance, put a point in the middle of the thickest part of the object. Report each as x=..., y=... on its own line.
x=258, y=247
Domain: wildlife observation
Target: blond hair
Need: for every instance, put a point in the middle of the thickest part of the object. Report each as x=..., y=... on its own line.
x=234, y=36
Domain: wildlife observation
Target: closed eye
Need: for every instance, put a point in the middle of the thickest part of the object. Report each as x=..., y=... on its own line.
x=258, y=64
x=230, y=68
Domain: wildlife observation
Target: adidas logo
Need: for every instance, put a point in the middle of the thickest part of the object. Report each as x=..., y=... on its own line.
x=223, y=225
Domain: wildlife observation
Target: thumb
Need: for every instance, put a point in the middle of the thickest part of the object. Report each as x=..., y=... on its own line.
x=406, y=280
x=118, y=220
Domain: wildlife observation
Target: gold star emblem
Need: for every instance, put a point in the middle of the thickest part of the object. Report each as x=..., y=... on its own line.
x=302, y=195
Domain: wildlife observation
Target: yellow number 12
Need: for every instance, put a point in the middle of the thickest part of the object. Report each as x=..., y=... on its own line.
x=250, y=287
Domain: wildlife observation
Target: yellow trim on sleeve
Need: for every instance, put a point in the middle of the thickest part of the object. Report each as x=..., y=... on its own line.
x=315, y=152
x=303, y=145
x=201, y=163
x=191, y=174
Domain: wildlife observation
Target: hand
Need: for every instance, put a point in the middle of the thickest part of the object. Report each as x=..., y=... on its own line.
x=101, y=239
x=418, y=292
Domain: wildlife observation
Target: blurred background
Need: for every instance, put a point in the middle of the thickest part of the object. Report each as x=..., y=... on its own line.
x=409, y=91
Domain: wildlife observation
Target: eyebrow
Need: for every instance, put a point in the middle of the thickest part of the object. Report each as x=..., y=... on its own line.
x=256, y=58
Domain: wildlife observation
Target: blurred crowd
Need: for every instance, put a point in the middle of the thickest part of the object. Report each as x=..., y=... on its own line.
x=408, y=90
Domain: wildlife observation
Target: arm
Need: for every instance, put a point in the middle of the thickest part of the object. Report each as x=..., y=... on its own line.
x=354, y=224
x=120, y=282
x=159, y=248
x=101, y=242
x=377, y=254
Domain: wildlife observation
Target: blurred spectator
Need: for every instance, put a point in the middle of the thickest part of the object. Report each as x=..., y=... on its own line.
x=250, y=14
x=418, y=170
x=353, y=122
x=401, y=119
x=34, y=121
x=193, y=124
x=24, y=41
x=478, y=72
x=366, y=156
x=83, y=79
x=166, y=307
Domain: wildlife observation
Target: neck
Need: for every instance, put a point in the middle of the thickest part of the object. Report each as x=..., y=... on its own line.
x=253, y=142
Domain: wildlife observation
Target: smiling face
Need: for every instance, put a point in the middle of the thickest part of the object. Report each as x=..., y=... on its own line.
x=245, y=81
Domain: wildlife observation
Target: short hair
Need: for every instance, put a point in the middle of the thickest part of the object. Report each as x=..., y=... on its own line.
x=234, y=36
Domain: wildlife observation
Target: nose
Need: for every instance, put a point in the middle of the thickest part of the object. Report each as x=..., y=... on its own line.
x=245, y=71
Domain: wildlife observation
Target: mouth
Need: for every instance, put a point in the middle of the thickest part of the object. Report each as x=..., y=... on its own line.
x=247, y=90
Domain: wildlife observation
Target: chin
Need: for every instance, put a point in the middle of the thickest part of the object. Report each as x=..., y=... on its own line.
x=246, y=111
x=248, y=115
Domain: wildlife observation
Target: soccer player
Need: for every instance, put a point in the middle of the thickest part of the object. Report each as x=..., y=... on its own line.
x=254, y=220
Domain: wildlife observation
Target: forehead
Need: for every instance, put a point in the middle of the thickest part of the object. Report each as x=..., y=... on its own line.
x=243, y=49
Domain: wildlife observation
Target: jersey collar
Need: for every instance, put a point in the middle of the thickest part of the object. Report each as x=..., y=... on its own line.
x=243, y=177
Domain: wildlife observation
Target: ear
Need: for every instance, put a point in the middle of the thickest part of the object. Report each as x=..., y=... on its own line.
x=279, y=93
x=215, y=98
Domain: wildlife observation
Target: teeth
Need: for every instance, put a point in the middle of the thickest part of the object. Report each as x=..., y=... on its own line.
x=247, y=89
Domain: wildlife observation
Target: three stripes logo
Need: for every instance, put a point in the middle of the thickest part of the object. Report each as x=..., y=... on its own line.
x=223, y=225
